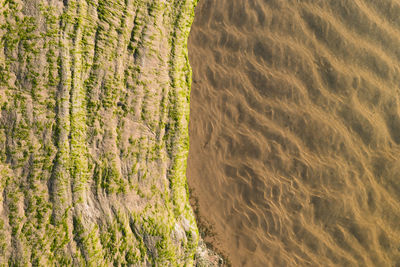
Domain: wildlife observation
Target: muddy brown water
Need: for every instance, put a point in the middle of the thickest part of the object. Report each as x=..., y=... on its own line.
x=295, y=130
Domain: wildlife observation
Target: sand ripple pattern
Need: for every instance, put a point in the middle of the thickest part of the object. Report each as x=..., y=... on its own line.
x=295, y=130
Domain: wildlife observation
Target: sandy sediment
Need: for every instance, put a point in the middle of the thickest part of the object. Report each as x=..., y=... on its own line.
x=295, y=130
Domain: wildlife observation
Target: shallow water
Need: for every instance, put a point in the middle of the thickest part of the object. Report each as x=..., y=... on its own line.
x=295, y=130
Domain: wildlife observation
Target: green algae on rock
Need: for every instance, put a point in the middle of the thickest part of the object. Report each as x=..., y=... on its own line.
x=94, y=100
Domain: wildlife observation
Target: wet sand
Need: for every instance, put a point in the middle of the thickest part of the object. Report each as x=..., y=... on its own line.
x=295, y=130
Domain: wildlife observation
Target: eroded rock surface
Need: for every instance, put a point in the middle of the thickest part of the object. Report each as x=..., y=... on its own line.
x=94, y=99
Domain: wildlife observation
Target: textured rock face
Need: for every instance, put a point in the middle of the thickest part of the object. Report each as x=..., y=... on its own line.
x=94, y=99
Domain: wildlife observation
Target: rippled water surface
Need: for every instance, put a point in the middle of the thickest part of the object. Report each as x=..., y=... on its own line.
x=295, y=130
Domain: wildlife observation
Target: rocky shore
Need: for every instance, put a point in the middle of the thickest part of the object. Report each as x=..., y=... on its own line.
x=94, y=99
